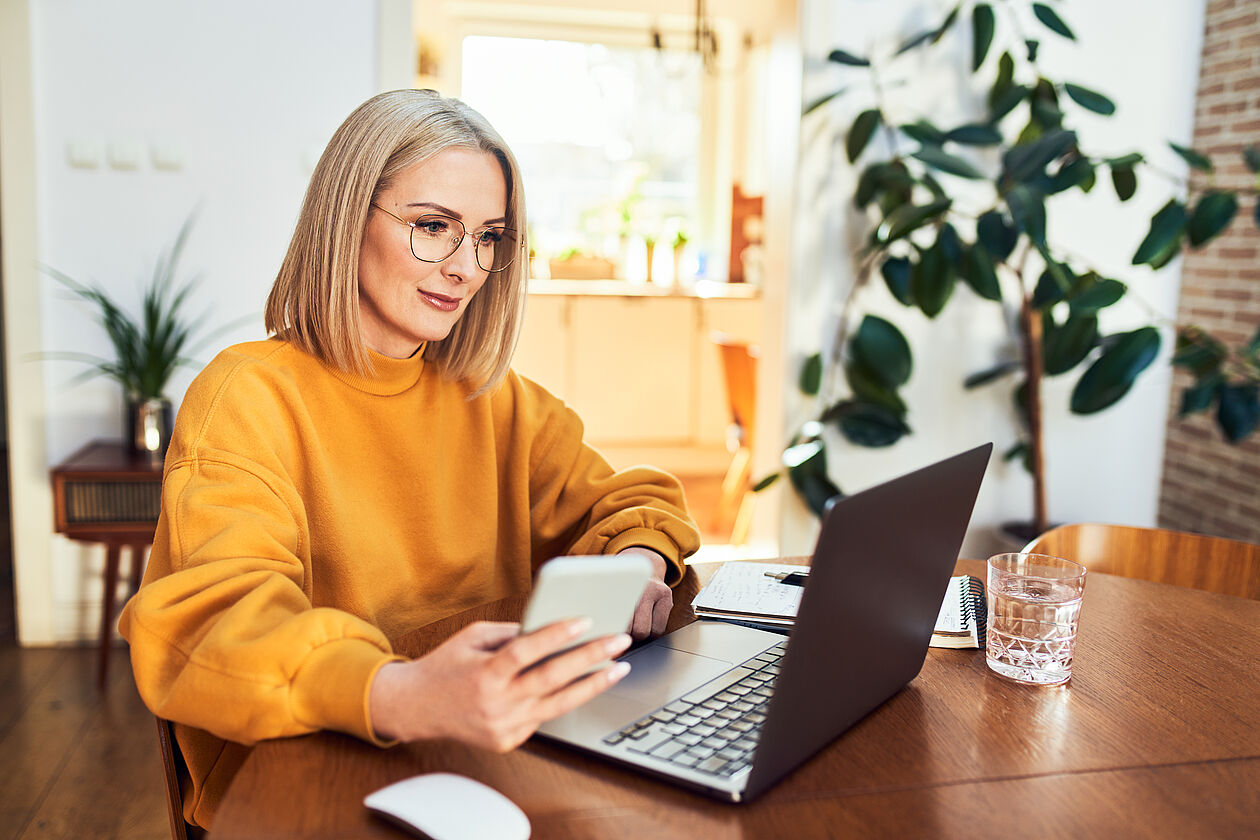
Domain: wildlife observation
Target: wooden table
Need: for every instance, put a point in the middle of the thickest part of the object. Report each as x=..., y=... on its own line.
x=104, y=493
x=1156, y=735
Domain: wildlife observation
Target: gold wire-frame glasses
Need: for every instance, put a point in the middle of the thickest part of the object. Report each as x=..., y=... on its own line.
x=435, y=237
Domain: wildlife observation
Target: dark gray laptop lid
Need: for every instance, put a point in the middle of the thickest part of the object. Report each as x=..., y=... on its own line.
x=879, y=572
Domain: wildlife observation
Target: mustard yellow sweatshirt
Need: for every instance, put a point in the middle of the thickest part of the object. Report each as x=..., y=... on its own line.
x=309, y=516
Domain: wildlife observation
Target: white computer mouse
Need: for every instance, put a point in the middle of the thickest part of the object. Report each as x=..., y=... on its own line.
x=449, y=807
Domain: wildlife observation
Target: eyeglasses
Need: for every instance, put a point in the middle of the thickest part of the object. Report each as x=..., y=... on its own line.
x=435, y=237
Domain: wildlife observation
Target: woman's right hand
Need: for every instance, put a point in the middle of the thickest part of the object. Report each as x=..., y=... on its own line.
x=478, y=686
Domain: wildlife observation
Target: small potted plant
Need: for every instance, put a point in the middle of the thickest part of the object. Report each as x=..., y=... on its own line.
x=147, y=349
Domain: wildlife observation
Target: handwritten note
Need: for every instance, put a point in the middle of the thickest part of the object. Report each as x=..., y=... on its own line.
x=744, y=588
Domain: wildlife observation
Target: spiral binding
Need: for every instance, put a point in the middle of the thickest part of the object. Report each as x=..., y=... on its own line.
x=974, y=607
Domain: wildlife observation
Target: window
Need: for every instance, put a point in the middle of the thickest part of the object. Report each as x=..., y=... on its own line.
x=608, y=138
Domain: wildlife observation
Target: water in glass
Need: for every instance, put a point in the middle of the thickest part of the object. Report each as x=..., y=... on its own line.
x=1033, y=618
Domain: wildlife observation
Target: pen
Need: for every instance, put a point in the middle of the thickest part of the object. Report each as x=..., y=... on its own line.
x=790, y=578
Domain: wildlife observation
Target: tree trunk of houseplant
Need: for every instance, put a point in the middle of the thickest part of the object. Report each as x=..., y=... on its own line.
x=1030, y=329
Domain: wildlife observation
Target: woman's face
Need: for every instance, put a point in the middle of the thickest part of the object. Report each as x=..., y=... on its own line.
x=403, y=301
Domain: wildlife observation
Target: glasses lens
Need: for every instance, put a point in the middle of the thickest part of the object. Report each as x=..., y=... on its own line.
x=496, y=248
x=434, y=238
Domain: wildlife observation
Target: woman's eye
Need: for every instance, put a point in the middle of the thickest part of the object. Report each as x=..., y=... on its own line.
x=490, y=236
x=433, y=227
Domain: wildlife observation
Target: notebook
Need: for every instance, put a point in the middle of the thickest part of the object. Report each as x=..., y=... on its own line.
x=744, y=593
x=728, y=710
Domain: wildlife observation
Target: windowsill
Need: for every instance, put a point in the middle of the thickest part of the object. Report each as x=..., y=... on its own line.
x=705, y=289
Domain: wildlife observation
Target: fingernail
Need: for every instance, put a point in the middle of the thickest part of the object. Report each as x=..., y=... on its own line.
x=578, y=626
x=618, y=643
x=618, y=671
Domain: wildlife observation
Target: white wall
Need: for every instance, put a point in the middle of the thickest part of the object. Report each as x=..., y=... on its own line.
x=1103, y=467
x=244, y=96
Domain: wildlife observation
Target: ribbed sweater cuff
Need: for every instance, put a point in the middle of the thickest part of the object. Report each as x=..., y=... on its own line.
x=331, y=689
x=654, y=540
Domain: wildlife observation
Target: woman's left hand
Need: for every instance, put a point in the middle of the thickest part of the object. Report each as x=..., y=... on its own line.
x=652, y=614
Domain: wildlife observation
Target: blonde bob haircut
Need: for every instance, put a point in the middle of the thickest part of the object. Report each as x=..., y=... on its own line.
x=315, y=300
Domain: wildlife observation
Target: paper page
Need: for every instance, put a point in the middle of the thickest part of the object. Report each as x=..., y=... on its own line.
x=744, y=588
x=951, y=619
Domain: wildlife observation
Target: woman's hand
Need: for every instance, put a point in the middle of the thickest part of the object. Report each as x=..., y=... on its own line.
x=479, y=687
x=652, y=614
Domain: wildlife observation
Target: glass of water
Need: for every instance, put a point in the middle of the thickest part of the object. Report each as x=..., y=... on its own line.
x=1034, y=606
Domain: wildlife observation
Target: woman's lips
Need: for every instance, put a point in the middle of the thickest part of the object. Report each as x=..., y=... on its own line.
x=442, y=302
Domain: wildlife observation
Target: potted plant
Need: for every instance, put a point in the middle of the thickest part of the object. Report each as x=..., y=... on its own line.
x=147, y=349
x=925, y=232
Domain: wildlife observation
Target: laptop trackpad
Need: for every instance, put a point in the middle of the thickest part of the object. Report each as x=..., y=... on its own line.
x=659, y=674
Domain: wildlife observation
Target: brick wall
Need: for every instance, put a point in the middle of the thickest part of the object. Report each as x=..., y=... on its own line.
x=1209, y=485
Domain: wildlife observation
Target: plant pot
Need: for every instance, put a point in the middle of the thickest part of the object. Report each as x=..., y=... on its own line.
x=148, y=429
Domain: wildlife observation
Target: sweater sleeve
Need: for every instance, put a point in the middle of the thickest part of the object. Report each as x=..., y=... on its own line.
x=580, y=505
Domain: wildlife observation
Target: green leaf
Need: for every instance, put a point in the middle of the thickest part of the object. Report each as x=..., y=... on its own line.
x=868, y=387
x=933, y=185
x=1051, y=19
x=1124, y=179
x=1211, y=215
x=924, y=132
x=996, y=372
x=1028, y=212
x=975, y=134
x=1032, y=46
x=1200, y=396
x=948, y=22
x=766, y=482
x=980, y=274
x=1239, y=411
x=932, y=281
x=1066, y=346
x=937, y=158
x=821, y=101
x=911, y=43
x=950, y=244
x=1020, y=450
x=896, y=271
x=1094, y=293
x=1005, y=102
x=1195, y=159
x=868, y=424
x=982, y=26
x=1112, y=374
x=909, y=218
x=880, y=346
x=1251, y=157
x=1023, y=162
x=1199, y=352
x=1090, y=100
x=1051, y=288
x=842, y=57
x=860, y=132
x=807, y=469
x=1164, y=237
x=1074, y=174
x=1130, y=160
x=811, y=375
x=997, y=234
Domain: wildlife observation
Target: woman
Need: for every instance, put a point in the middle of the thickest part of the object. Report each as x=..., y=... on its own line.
x=376, y=466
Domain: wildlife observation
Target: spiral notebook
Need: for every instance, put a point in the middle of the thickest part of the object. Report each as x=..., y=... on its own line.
x=743, y=593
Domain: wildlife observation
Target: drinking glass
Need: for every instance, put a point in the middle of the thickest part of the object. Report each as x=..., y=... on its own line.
x=1034, y=606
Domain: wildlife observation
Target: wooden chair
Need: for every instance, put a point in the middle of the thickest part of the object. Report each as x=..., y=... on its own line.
x=739, y=369
x=174, y=770
x=1156, y=554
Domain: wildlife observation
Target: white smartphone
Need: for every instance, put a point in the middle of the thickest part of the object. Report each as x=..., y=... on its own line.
x=605, y=588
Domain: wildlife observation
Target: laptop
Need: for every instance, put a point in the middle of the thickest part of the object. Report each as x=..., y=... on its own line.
x=729, y=710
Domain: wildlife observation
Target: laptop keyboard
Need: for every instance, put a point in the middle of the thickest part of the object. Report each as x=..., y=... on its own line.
x=715, y=734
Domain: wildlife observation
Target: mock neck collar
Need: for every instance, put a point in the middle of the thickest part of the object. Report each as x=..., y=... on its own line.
x=387, y=376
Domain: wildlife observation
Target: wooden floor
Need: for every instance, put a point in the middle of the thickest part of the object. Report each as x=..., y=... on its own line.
x=77, y=763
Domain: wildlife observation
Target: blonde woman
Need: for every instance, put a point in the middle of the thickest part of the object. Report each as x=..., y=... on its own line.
x=375, y=466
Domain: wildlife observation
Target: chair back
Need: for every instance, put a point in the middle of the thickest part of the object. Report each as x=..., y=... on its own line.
x=1156, y=554
x=739, y=370
x=173, y=768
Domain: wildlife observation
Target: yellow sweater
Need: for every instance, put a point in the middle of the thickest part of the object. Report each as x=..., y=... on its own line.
x=309, y=516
